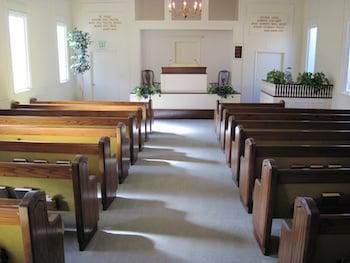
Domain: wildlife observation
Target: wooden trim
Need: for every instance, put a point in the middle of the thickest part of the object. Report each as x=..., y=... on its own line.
x=184, y=70
x=183, y=114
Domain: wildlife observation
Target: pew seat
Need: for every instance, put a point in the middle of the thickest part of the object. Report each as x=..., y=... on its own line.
x=286, y=157
x=27, y=233
x=77, y=189
x=91, y=110
x=276, y=191
x=315, y=235
x=147, y=107
x=278, y=124
x=281, y=137
x=52, y=150
x=298, y=113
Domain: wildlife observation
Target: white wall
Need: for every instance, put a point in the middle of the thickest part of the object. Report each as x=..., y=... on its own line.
x=42, y=18
x=331, y=17
x=216, y=51
x=127, y=39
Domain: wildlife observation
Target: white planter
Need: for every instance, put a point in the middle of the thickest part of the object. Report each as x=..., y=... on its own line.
x=187, y=101
x=296, y=96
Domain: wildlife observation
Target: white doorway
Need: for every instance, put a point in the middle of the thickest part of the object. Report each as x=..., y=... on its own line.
x=265, y=62
x=104, y=75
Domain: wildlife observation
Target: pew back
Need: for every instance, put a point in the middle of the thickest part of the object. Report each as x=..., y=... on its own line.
x=282, y=137
x=287, y=157
x=314, y=236
x=27, y=233
x=78, y=190
x=275, y=193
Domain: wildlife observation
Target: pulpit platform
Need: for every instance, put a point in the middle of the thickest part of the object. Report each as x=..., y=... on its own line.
x=184, y=94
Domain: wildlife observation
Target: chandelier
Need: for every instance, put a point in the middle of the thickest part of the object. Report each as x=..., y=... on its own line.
x=186, y=11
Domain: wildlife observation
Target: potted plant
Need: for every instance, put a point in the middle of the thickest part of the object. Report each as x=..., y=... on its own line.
x=79, y=42
x=317, y=80
x=222, y=91
x=308, y=85
x=147, y=91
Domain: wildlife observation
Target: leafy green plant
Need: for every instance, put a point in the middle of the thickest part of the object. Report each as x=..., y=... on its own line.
x=147, y=91
x=79, y=41
x=276, y=77
x=316, y=80
x=221, y=91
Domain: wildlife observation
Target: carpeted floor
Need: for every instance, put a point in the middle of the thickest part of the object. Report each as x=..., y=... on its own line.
x=179, y=204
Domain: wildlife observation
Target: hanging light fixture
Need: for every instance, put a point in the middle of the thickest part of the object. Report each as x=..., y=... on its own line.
x=186, y=11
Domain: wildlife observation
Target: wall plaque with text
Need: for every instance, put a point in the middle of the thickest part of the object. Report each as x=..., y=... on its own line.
x=264, y=23
x=104, y=23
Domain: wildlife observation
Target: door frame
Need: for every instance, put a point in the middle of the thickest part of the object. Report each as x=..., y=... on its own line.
x=256, y=66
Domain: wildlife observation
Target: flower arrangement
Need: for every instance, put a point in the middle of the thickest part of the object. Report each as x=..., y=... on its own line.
x=221, y=91
x=79, y=41
x=147, y=91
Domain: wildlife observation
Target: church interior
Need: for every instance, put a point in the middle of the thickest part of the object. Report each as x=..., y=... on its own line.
x=174, y=131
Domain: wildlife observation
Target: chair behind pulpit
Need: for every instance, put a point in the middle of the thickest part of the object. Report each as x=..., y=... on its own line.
x=148, y=78
x=224, y=78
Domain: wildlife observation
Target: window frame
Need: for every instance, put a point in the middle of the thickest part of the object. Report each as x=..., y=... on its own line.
x=346, y=79
x=307, y=54
x=62, y=81
x=23, y=15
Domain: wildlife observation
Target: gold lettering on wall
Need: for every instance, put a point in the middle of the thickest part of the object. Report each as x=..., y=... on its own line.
x=268, y=24
x=105, y=23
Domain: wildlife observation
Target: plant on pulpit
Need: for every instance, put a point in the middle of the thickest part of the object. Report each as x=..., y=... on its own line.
x=147, y=91
x=222, y=91
x=79, y=42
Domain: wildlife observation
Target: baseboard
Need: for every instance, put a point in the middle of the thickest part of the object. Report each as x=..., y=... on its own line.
x=184, y=114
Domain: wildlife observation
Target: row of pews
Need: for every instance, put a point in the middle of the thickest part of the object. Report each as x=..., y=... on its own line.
x=56, y=159
x=293, y=165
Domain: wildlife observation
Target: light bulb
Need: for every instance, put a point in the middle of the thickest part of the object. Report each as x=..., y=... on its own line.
x=174, y=4
x=185, y=3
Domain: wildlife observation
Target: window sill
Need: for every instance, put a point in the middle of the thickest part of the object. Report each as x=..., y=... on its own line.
x=64, y=82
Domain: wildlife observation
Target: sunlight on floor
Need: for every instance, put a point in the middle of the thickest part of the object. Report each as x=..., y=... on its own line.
x=166, y=127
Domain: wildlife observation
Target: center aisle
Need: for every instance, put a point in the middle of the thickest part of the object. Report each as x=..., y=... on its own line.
x=179, y=204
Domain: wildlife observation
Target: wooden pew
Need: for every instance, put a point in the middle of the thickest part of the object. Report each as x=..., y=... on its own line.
x=279, y=124
x=280, y=137
x=147, y=107
x=315, y=235
x=74, y=118
x=223, y=108
x=93, y=111
x=47, y=143
x=101, y=163
x=134, y=132
x=228, y=112
x=275, y=193
x=285, y=156
x=121, y=145
x=27, y=233
x=236, y=118
x=71, y=181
